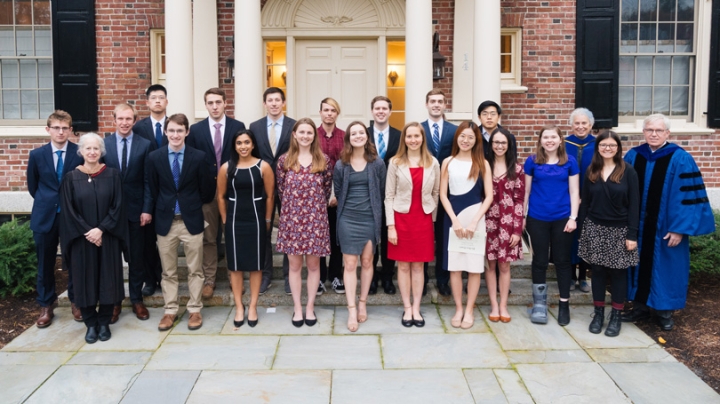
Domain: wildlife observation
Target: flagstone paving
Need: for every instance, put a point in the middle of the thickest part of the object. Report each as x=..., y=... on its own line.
x=384, y=362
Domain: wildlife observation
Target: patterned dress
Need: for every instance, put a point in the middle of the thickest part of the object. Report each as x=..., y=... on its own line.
x=505, y=217
x=304, y=196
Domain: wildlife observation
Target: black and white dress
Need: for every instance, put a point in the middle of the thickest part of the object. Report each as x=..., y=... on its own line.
x=245, y=227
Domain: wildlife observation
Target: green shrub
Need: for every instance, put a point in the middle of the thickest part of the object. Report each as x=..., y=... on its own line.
x=705, y=251
x=18, y=262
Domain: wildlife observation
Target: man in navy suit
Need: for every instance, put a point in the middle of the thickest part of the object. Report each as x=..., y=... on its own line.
x=126, y=152
x=440, y=135
x=46, y=167
x=272, y=133
x=213, y=136
x=386, y=140
x=179, y=182
x=151, y=128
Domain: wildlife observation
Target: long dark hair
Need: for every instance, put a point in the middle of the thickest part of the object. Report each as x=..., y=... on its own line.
x=596, y=165
x=476, y=153
x=510, y=153
x=235, y=157
x=347, y=150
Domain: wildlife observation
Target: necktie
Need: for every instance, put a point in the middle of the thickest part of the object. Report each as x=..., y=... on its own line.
x=436, y=138
x=381, y=145
x=218, y=144
x=158, y=134
x=176, y=178
x=123, y=163
x=272, y=138
x=59, y=169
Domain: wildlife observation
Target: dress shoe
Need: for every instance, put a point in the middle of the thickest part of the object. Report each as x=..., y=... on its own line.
x=265, y=285
x=140, y=311
x=665, y=320
x=444, y=289
x=425, y=289
x=309, y=322
x=494, y=319
x=504, y=319
x=287, y=286
x=195, y=321
x=166, y=322
x=208, y=290
x=419, y=323
x=76, y=313
x=116, y=314
x=91, y=336
x=252, y=323
x=239, y=324
x=635, y=315
x=104, y=333
x=149, y=289
x=46, y=317
x=389, y=288
x=297, y=323
x=373, y=287
x=406, y=323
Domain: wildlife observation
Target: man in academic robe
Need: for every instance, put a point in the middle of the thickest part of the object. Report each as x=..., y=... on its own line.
x=673, y=206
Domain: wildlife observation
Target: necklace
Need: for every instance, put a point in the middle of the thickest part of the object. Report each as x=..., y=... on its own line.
x=92, y=174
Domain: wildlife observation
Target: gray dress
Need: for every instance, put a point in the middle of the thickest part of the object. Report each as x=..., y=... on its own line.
x=356, y=226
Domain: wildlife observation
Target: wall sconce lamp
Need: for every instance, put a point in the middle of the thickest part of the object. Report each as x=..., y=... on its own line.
x=438, y=59
x=284, y=77
x=393, y=76
x=231, y=67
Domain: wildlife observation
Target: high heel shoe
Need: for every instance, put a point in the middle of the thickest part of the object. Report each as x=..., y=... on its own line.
x=312, y=322
x=362, y=319
x=252, y=323
x=298, y=323
x=237, y=323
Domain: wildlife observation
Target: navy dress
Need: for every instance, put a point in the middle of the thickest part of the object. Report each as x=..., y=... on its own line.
x=245, y=228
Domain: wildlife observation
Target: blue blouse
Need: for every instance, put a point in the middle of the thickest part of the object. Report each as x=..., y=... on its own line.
x=550, y=192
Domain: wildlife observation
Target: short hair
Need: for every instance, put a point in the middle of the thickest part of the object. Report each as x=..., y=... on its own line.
x=273, y=90
x=581, y=111
x=155, y=87
x=381, y=98
x=123, y=106
x=486, y=104
x=434, y=91
x=215, y=91
x=60, y=116
x=332, y=103
x=91, y=135
x=179, y=119
x=655, y=118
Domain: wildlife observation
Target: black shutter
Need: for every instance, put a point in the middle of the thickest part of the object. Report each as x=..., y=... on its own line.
x=75, y=69
x=598, y=59
x=713, y=111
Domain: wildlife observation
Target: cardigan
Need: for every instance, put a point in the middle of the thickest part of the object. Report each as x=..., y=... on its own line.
x=376, y=184
x=398, y=190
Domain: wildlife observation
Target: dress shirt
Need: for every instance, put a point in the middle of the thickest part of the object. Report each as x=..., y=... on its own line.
x=651, y=150
x=162, y=124
x=211, y=124
x=120, y=145
x=485, y=134
x=278, y=128
x=333, y=145
x=385, y=134
x=439, y=123
x=181, y=157
x=55, y=156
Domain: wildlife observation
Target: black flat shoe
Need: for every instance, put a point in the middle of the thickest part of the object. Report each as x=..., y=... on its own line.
x=406, y=323
x=91, y=336
x=104, y=333
x=239, y=323
x=312, y=322
x=419, y=323
x=298, y=323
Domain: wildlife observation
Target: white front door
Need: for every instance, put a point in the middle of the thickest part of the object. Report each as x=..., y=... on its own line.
x=345, y=70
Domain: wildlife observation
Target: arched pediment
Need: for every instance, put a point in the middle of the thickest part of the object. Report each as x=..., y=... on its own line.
x=328, y=14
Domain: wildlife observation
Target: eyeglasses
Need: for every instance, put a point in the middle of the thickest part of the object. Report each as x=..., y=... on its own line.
x=157, y=98
x=655, y=131
x=60, y=128
x=612, y=146
x=499, y=143
x=485, y=113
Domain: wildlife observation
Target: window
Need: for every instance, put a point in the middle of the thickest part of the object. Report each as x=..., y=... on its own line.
x=157, y=58
x=657, y=57
x=510, y=62
x=395, y=81
x=276, y=66
x=26, y=71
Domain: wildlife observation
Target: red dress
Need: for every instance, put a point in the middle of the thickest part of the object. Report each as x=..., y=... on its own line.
x=505, y=217
x=416, y=237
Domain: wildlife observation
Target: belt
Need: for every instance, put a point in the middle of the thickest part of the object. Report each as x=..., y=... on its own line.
x=177, y=217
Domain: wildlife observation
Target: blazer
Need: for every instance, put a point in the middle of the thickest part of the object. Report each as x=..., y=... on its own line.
x=376, y=184
x=195, y=189
x=144, y=128
x=43, y=184
x=259, y=129
x=392, y=143
x=398, y=190
x=133, y=179
x=446, y=140
x=200, y=138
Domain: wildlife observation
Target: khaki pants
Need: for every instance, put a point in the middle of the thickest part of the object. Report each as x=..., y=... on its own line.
x=211, y=215
x=168, y=246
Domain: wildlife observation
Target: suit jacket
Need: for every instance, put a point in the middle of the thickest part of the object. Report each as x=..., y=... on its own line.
x=144, y=128
x=43, y=184
x=446, y=140
x=259, y=129
x=195, y=189
x=201, y=139
x=398, y=190
x=392, y=143
x=133, y=178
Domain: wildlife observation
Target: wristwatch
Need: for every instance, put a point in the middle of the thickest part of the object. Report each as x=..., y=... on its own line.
x=573, y=217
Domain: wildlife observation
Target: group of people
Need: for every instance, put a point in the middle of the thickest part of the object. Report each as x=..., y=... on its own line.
x=431, y=191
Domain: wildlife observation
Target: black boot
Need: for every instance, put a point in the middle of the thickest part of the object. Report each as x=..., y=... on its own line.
x=665, y=319
x=598, y=319
x=564, y=313
x=91, y=336
x=614, y=325
x=639, y=312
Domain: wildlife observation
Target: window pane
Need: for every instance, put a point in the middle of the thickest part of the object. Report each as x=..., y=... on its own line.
x=11, y=104
x=43, y=42
x=662, y=70
x=625, y=101
x=681, y=70
x=7, y=41
x=667, y=10
x=648, y=10
x=661, y=100
x=644, y=67
x=627, y=70
x=628, y=38
x=647, y=38
x=680, y=101
x=42, y=12
x=397, y=96
x=630, y=10
x=6, y=12
x=666, y=38
x=643, y=100
x=684, y=38
x=505, y=44
x=45, y=77
x=23, y=12
x=505, y=64
x=47, y=104
x=24, y=42
x=10, y=75
x=28, y=74
x=29, y=101
x=686, y=10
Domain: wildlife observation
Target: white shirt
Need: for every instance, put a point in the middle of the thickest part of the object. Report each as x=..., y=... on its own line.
x=440, y=128
x=55, y=156
x=212, y=129
x=162, y=123
x=385, y=134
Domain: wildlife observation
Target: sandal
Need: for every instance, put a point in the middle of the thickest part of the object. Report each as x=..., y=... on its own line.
x=362, y=318
x=352, y=327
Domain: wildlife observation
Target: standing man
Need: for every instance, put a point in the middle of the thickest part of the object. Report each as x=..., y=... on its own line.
x=272, y=133
x=489, y=113
x=213, y=136
x=440, y=135
x=46, y=167
x=673, y=206
x=386, y=140
x=179, y=183
x=126, y=153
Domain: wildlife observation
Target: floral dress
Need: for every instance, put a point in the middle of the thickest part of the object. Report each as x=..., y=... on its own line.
x=304, y=196
x=505, y=217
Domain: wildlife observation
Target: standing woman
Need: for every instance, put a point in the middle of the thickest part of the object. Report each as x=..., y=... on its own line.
x=609, y=213
x=359, y=182
x=304, y=182
x=245, y=195
x=93, y=235
x=551, y=202
x=468, y=177
x=504, y=220
x=411, y=197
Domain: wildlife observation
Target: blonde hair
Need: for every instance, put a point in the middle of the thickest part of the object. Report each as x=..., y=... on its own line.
x=401, y=158
x=331, y=102
x=124, y=107
x=319, y=164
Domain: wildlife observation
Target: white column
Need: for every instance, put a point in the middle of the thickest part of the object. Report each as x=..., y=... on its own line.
x=418, y=58
x=249, y=56
x=179, y=57
x=462, y=93
x=486, y=52
x=205, y=52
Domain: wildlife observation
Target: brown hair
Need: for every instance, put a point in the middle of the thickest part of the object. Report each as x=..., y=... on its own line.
x=401, y=157
x=60, y=116
x=540, y=155
x=347, y=150
x=381, y=98
x=179, y=119
x=124, y=107
x=477, y=154
x=319, y=164
x=215, y=91
x=434, y=91
x=597, y=163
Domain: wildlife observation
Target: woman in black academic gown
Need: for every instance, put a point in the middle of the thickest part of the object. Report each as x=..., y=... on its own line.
x=93, y=236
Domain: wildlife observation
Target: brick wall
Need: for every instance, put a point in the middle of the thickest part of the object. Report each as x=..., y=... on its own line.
x=443, y=12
